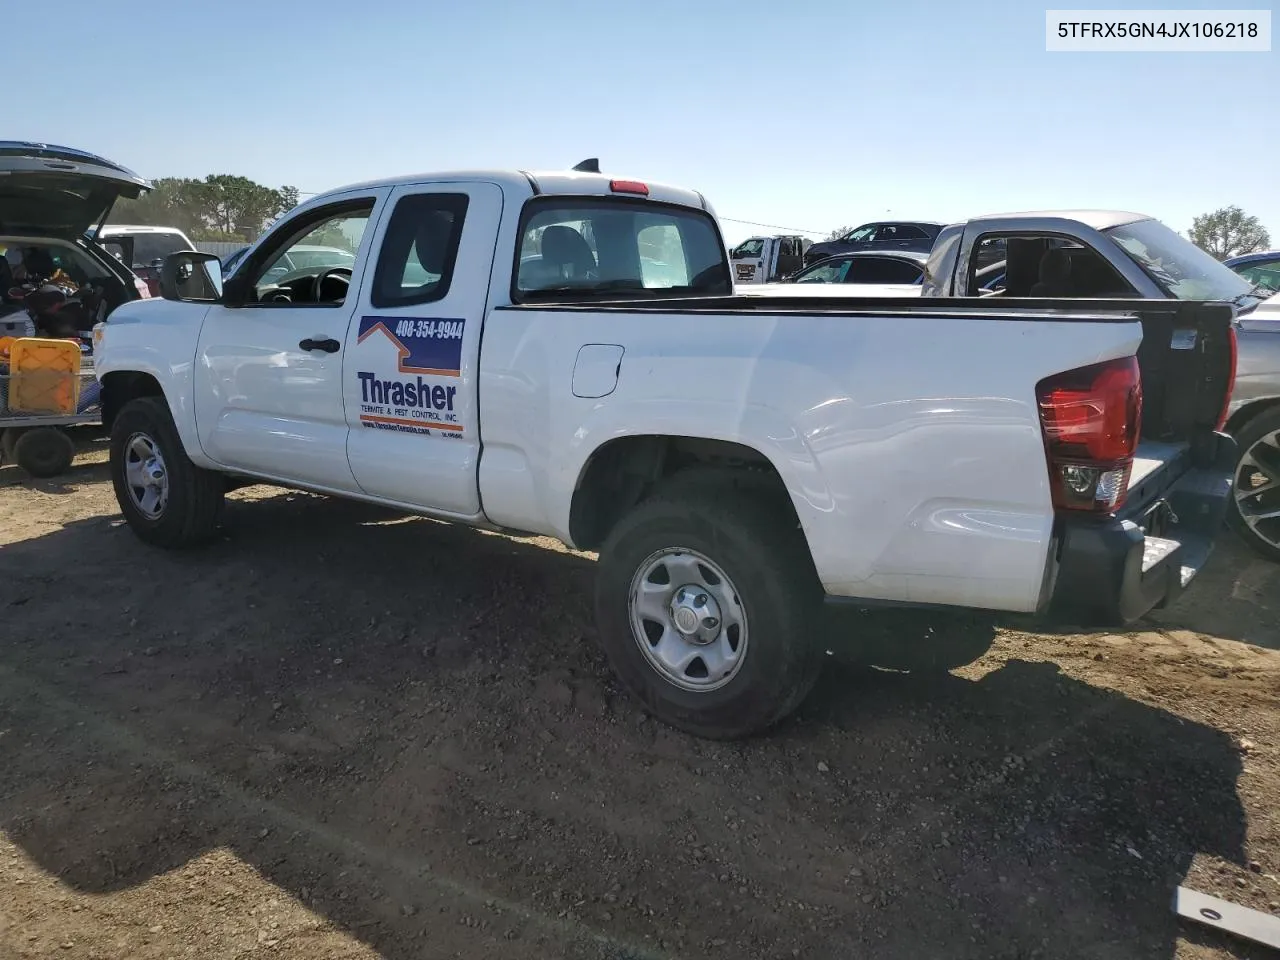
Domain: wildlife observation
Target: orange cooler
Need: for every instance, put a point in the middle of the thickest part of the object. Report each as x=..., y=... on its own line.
x=44, y=376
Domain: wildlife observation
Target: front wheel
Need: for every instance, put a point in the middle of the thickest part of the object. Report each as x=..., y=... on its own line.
x=707, y=605
x=167, y=500
x=1254, y=512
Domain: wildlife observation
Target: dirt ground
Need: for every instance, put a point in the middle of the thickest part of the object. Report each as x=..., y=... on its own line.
x=344, y=733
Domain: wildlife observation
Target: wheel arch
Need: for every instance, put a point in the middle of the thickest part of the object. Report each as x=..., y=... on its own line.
x=121, y=386
x=1250, y=411
x=623, y=470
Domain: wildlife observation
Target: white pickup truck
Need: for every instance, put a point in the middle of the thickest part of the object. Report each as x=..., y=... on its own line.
x=499, y=355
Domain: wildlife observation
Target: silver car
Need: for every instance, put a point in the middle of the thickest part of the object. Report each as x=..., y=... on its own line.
x=1255, y=423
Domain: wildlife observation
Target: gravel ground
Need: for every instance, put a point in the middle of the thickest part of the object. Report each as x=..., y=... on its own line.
x=345, y=733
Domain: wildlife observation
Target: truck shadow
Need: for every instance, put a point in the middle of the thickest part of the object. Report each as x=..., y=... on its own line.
x=407, y=727
x=1233, y=598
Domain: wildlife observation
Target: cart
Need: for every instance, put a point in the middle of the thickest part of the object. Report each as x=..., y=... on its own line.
x=38, y=442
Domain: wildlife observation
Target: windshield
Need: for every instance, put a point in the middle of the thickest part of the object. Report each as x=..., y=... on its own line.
x=1178, y=266
x=748, y=249
x=607, y=246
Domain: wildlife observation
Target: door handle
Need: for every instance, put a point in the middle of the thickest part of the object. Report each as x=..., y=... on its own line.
x=327, y=344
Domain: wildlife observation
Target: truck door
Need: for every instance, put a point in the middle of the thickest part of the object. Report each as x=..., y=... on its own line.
x=268, y=368
x=412, y=350
x=789, y=257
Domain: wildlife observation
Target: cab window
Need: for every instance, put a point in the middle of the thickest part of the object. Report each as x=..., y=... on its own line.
x=610, y=248
x=419, y=250
x=1042, y=266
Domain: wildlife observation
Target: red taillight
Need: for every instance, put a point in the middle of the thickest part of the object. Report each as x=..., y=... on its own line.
x=1091, y=418
x=1231, y=378
x=629, y=186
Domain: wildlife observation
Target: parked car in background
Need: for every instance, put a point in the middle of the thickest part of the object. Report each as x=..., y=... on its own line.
x=52, y=199
x=143, y=248
x=852, y=275
x=767, y=259
x=300, y=257
x=1255, y=422
x=867, y=274
x=888, y=235
x=866, y=267
x=1261, y=269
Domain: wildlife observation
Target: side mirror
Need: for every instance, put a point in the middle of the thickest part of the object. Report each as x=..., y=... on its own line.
x=192, y=277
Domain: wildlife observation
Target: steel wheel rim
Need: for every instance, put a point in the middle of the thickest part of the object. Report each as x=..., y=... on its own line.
x=145, y=476
x=1257, y=488
x=675, y=595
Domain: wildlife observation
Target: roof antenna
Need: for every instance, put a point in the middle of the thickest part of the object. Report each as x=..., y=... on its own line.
x=589, y=166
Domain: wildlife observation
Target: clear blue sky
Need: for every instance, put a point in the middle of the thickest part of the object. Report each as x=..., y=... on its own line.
x=803, y=115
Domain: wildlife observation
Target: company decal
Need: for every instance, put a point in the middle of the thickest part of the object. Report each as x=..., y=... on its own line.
x=407, y=374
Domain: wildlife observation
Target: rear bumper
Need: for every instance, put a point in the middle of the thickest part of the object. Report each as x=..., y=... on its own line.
x=1112, y=572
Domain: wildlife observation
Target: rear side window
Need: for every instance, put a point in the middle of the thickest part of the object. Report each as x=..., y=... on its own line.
x=1265, y=274
x=905, y=231
x=830, y=271
x=419, y=250
x=611, y=248
x=150, y=247
x=883, y=270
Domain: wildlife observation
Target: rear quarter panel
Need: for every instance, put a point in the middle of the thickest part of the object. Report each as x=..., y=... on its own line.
x=910, y=444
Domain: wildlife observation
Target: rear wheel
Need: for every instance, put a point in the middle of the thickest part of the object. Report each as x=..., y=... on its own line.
x=1255, y=506
x=166, y=499
x=707, y=605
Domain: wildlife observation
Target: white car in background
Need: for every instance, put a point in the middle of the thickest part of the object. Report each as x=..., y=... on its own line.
x=300, y=257
x=863, y=273
x=150, y=244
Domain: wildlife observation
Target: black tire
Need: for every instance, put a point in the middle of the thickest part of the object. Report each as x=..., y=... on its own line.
x=44, y=451
x=1261, y=426
x=757, y=543
x=196, y=496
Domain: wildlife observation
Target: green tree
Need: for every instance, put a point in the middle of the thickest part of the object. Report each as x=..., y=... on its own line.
x=219, y=207
x=170, y=204
x=837, y=233
x=236, y=205
x=1228, y=232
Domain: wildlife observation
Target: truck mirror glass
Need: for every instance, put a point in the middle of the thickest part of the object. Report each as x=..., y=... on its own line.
x=192, y=277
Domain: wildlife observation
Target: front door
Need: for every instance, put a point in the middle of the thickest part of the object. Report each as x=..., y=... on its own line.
x=268, y=369
x=414, y=347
